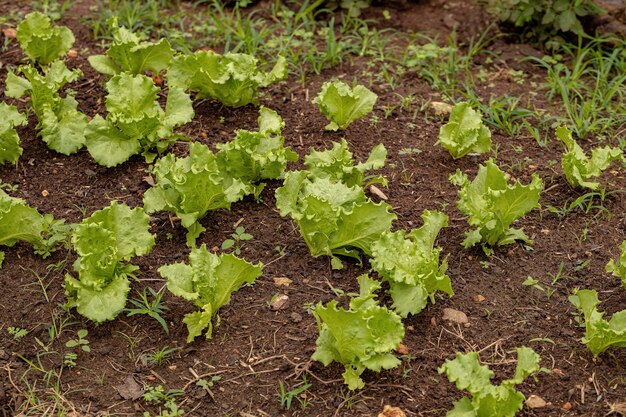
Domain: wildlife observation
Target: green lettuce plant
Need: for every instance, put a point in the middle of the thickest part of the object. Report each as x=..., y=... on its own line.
x=618, y=268
x=135, y=121
x=10, y=149
x=208, y=281
x=464, y=132
x=410, y=264
x=130, y=54
x=60, y=125
x=42, y=41
x=191, y=186
x=600, y=334
x=342, y=105
x=361, y=337
x=335, y=219
x=578, y=168
x=488, y=400
x=104, y=242
x=233, y=79
x=256, y=156
x=492, y=205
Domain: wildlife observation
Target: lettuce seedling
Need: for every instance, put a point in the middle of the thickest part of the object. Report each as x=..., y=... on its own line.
x=135, y=121
x=343, y=105
x=493, y=205
x=103, y=242
x=600, y=334
x=338, y=165
x=61, y=125
x=42, y=41
x=359, y=338
x=618, y=268
x=411, y=265
x=232, y=79
x=130, y=54
x=578, y=168
x=487, y=399
x=192, y=186
x=334, y=218
x=10, y=149
x=256, y=156
x=464, y=132
x=208, y=281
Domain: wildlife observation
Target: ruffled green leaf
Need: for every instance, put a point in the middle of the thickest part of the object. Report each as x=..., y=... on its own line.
x=464, y=133
x=42, y=41
x=343, y=105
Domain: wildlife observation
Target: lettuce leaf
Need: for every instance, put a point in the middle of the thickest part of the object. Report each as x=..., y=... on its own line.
x=411, y=266
x=42, y=41
x=103, y=242
x=618, y=268
x=232, y=79
x=360, y=338
x=10, y=149
x=60, y=125
x=487, y=399
x=255, y=156
x=493, y=205
x=135, y=121
x=192, y=186
x=337, y=164
x=334, y=219
x=578, y=168
x=128, y=53
x=208, y=281
x=464, y=132
x=343, y=105
x=600, y=334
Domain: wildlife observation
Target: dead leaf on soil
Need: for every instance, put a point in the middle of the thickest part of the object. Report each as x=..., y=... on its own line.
x=149, y=179
x=535, y=401
x=279, y=302
x=479, y=298
x=130, y=389
x=9, y=33
x=282, y=281
x=378, y=193
x=440, y=108
x=455, y=316
x=390, y=411
x=619, y=408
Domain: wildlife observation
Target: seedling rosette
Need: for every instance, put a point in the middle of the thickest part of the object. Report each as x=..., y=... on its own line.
x=618, y=267
x=578, y=168
x=103, y=243
x=493, y=205
x=130, y=54
x=488, y=400
x=42, y=41
x=60, y=125
x=342, y=105
x=334, y=218
x=464, y=132
x=233, y=79
x=192, y=186
x=208, y=281
x=410, y=264
x=600, y=334
x=135, y=121
x=361, y=337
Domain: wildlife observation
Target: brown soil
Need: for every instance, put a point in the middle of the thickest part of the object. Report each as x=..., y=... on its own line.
x=255, y=347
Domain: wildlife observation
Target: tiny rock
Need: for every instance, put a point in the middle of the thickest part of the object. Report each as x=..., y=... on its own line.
x=279, y=302
x=402, y=349
x=545, y=231
x=296, y=317
x=282, y=281
x=45, y=193
x=567, y=406
x=72, y=53
x=390, y=411
x=535, y=401
x=10, y=33
x=455, y=316
x=440, y=108
x=479, y=298
x=378, y=193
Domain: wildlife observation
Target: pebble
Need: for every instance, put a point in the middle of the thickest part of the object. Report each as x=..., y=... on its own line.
x=455, y=316
x=535, y=401
x=279, y=302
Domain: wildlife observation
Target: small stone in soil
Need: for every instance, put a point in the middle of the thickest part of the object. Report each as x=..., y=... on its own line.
x=455, y=316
